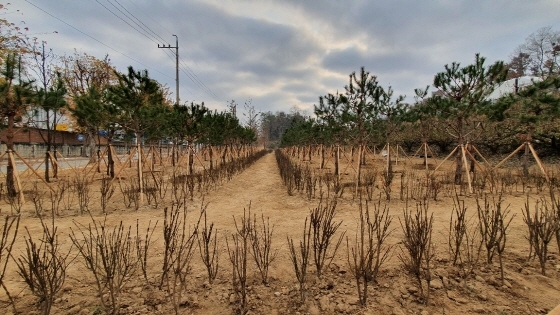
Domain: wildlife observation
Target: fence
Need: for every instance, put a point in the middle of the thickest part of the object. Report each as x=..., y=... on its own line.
x=30, y=151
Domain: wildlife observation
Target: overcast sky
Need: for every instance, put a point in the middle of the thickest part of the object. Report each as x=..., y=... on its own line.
x=285, y=53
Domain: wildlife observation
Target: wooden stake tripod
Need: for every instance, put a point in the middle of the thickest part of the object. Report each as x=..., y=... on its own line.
x=528, y=147
x=395, y=149
x=464, y=153
x=425, y=148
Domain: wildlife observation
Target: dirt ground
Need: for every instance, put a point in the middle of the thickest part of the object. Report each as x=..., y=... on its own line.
x=525, y=290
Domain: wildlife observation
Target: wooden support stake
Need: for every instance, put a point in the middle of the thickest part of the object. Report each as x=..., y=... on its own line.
x=32, y=170
x=16, y=176
x=539, y=162
x=123, y=166
x=450, y=154
x=139, y=165
x=466, y=166
x=509, y=156
x=474, y=160
x=481, y=156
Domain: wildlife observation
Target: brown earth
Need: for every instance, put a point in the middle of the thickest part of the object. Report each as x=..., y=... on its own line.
x=525, y=291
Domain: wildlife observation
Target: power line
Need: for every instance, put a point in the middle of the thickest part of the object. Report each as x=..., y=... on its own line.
x=95, y=39
x=146, y=32
x=194, y=76
x=191, y=75
x=120, y=18
x=140, y=21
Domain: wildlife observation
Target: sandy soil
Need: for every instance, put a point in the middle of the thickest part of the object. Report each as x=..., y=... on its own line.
x=526, y=291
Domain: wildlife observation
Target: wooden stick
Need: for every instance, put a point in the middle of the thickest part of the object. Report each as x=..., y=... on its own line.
x=359, y=168
x=123, y=166
x=539, y=162
x=481, y=156
x=18, y=182
x=450, y=154
x=34, y=171
x=474, y=160
x=420, y=148
x=426, y=157
x=200, y=161
x=510, y=155
x=466, y=166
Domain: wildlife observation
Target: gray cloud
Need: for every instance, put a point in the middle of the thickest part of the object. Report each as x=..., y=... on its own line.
x=287, y=53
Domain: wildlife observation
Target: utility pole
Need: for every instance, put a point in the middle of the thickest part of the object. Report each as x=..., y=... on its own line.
x=176, y=64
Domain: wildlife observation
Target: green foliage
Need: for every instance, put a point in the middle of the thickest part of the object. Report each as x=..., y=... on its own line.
x=301, y=132
x=462, y=95
x=273, y=125
x=187, y=121
x=15, y=92
x=140, y=102
x=533, y=111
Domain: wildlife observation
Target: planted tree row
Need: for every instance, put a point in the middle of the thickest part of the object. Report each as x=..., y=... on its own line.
x=458, y=117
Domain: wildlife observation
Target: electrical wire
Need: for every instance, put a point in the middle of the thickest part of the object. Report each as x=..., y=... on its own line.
x=97, y=40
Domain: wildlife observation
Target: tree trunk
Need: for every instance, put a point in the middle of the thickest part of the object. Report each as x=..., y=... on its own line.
x=322, y=156
x=459, y=167
x=139, y=167
x=110, y=162
x=211, y=156
x=91, y=147
x=336, y=163
x=10, y=175
x=191, y=160
x=525, y=161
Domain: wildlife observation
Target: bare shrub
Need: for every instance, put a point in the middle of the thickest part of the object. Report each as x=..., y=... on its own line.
x=8, y=237
x=143, y=246
x=470, y=250
x=56, y=196
x=417, y=228
x=501, y=239
x=369, y=251
x=300, y=258
x=457, y=229
x=43, y=266
x=15, y=202
x=379, y=226
x=37, y=198
x=208, y=246
x=180, y=240
x=131, y=193
x=162, y=185
x=323, y=227
x=543, y=226
x=67, y=196
x=360, y=256
x=491, y=224
x=434, y=187
x=555, y=205
x=387, y=180
x=238, y=252
x=179, y=187
x=106, y=190
x=369, y=182
x=108, y=255
x=82, y=186
x=261, y=246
